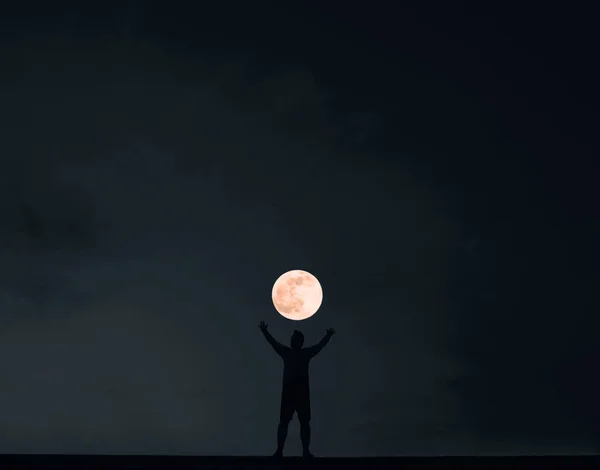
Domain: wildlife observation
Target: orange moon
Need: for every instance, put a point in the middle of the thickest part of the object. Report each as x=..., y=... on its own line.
x=297, y=295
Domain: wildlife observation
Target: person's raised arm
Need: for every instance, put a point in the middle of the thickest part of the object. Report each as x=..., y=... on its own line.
x=316, y=349
x=278, y=347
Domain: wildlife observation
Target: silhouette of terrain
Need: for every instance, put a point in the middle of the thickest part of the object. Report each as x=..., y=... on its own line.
x=134, y=462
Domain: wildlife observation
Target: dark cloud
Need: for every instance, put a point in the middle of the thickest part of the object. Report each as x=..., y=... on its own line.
x=526, y=326
x=168, y=197
x=149, y=202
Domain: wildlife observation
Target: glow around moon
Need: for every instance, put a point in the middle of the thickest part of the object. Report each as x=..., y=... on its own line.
x=297, y=295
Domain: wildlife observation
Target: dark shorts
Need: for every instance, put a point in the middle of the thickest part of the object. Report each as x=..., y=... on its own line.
x=295, y=403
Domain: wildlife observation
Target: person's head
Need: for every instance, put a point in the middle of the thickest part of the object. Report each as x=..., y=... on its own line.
x=297, y=340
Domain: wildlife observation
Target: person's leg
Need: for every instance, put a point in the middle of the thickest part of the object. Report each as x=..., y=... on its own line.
x=305, y=437
x=282, y=431
x=304, y=418
x=285, y=416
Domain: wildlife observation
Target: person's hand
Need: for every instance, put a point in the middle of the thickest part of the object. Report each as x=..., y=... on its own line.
x=330, y=331
x=263, y=326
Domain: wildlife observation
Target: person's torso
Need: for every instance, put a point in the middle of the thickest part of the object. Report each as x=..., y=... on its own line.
x=295, y=368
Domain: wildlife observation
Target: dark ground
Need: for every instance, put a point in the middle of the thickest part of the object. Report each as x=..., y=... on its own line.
x=90, y=462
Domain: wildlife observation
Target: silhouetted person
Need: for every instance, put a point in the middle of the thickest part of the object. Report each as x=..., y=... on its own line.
x=295, y=394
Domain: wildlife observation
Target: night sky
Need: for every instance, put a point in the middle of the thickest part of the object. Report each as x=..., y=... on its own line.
x=161, y=165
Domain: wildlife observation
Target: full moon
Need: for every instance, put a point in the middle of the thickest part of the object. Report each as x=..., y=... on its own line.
x=297, y=295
